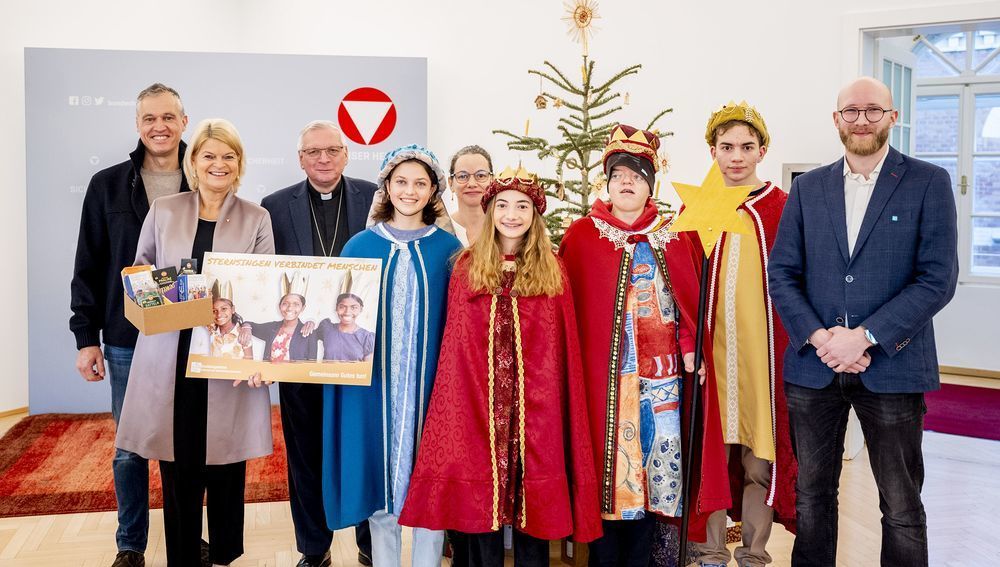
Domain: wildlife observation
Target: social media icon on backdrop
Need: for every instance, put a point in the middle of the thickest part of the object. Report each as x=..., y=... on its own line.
x=94, y=160
x=86, y=100
x=74, y=100
x=98, y=100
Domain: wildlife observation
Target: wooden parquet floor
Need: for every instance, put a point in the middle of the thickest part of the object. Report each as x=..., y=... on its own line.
x=961, y=496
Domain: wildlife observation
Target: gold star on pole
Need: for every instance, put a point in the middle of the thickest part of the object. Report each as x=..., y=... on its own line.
x=711, y=208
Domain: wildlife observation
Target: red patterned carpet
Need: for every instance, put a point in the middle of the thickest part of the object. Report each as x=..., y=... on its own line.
x=61, y=464
x=964, y=410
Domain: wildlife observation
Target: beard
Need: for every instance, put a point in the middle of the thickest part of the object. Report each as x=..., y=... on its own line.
x=862, y=148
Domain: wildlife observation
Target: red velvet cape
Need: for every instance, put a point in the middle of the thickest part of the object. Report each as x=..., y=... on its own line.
x=452, y=482
x=594, y=264
x=764, y=210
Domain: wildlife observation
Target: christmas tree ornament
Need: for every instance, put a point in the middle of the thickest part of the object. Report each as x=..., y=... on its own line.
x=580, y=16
x=540, y=101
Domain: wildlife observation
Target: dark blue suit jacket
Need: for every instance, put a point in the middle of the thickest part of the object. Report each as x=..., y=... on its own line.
x=904, y=269
x=292, y=221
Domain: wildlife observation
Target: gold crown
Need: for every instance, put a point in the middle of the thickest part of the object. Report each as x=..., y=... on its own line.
x=519, y=179
x=297, y=284
x=640, y=143
x=222, y=290
x=523, y=175
x=345, y=286
x=742, y=112
x=638, y=136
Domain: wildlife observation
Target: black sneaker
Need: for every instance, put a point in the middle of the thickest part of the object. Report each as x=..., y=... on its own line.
x=364, y=559
x=315, y=560
x=129, y=559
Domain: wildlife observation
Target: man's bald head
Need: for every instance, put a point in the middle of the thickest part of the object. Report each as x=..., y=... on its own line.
x=863, y=91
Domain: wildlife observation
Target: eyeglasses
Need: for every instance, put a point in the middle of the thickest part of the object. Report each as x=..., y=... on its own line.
x=851, y=115
x=463, y=177
x=314, y=153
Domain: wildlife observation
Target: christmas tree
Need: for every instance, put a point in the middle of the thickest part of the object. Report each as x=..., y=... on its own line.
x=590, y=107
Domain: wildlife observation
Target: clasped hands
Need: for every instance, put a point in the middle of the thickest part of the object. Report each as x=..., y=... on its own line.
x=842, y=349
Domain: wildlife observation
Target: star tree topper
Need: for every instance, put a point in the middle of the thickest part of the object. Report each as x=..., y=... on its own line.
x=711, y=208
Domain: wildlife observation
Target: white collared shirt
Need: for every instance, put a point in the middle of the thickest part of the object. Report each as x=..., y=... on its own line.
x=857, y=193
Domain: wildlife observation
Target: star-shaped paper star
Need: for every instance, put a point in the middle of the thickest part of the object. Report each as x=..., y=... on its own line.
x=711, y=209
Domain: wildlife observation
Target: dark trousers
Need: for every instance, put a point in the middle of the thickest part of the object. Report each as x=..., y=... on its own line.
x=486, y=550
x=302, y=426
x=363, y=537
x=184, y=486
x=625, y=543
x=459, y=549
x=893, y=428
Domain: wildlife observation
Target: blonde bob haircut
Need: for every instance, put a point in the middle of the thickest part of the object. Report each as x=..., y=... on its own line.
x=214, y=129
x=538, y=271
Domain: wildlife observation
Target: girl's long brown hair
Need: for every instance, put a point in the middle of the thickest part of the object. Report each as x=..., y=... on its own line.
x=538, y=271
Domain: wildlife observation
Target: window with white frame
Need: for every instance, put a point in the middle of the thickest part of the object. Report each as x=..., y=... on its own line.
x=956, y=124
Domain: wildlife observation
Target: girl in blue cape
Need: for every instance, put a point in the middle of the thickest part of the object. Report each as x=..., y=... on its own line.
x=371, y=434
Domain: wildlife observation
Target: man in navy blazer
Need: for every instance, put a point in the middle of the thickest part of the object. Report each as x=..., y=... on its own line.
x=315, y=217
x=865, y=255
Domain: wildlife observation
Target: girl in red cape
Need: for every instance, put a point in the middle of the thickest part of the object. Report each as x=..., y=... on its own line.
x=506, y=439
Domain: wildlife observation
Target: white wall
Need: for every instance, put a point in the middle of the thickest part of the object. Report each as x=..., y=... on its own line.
x=787, y=57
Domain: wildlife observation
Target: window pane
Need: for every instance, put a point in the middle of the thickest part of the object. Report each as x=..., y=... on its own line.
x=897, y=81
x=986, y=246
x=985, y=42
x=894, y=137
x=904, y=115
x=937, y=124
x=929, y=64
x=904, y=145
x=986, y=185
x=950, y=165
x=952, y=45
x=991, y=68
x=988, y=122
x=887, y=73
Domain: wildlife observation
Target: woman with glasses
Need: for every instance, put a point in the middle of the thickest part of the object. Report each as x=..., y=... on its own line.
x=471, y=171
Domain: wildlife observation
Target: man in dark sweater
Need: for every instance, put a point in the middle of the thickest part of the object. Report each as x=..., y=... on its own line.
x=114, y=208
x=315, y=217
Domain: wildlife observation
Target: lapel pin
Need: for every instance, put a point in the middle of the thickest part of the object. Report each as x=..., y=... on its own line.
x=894, y=218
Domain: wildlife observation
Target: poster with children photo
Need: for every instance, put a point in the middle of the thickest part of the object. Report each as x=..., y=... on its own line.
x=291, y=318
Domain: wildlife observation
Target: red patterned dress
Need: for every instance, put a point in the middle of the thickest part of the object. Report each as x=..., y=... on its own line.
x=506, y=438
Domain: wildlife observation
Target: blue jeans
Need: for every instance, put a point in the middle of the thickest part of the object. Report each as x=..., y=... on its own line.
x=387, y=534
x=130, y=470
x=893, y=428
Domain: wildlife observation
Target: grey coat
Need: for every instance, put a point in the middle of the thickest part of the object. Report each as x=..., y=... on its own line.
x=239, y=418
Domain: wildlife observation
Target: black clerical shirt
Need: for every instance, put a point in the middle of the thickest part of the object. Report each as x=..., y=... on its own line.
x=326, y=211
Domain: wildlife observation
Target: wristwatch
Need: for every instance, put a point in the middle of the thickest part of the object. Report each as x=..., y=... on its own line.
x=870, y=337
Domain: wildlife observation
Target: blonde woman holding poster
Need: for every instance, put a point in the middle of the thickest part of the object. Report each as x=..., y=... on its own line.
x=201, y=431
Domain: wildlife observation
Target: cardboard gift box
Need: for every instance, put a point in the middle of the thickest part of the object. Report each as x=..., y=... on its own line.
x=170, y=316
